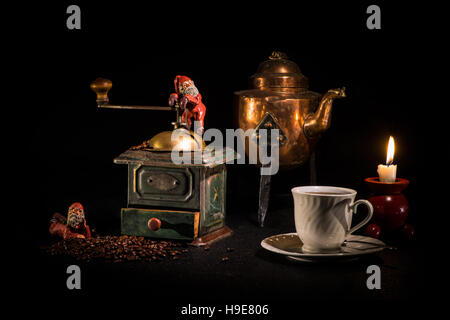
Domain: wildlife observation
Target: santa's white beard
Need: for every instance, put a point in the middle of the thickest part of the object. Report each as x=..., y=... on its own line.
x=74, y=220
x=192, y=91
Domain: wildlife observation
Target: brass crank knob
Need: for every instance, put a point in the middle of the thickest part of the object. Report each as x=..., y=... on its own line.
x=101, y=87
x=154, y=224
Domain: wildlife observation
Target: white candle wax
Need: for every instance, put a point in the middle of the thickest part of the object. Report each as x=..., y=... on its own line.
x=387, y=173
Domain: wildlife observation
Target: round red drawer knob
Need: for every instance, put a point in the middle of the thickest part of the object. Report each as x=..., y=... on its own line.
x=154, y=224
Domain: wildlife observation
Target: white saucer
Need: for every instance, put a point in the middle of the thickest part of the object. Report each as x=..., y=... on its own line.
x=290, y=245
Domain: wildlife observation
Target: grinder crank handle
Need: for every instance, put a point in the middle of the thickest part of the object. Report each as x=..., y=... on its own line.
x=102, y=86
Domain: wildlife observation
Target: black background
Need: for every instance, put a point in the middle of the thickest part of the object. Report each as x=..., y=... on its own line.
x=70, y=144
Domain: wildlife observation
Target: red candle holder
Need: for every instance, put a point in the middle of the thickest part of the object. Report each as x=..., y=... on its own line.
x=390, y=206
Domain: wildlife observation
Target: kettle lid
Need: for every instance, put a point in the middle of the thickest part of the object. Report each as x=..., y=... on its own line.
x=279, y=72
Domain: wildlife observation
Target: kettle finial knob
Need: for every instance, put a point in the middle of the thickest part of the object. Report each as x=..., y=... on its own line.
x=278, y=55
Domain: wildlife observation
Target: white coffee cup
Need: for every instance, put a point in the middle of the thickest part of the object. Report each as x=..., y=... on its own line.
x=323, y=216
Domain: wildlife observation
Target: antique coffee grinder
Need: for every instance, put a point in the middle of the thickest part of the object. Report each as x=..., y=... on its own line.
x=171, y=200
x=280, y=99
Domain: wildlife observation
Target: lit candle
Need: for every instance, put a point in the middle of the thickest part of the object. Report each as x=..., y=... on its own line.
x=388, y=172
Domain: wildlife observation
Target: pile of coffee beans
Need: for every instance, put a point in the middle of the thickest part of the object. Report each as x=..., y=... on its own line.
x=117, y=249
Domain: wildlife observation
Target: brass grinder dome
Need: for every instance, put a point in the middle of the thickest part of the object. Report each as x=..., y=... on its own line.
x=184, y=140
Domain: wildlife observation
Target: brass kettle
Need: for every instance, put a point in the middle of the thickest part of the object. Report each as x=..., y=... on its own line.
x=280, y=99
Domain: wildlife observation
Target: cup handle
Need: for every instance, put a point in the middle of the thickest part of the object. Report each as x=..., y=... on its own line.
x=353, y=207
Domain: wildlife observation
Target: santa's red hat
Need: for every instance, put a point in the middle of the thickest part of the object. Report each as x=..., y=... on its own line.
x=179, y=80
x=77, y=205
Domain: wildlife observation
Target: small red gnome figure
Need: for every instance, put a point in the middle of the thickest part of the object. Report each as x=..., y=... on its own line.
x=190, y=100
x=73, y=227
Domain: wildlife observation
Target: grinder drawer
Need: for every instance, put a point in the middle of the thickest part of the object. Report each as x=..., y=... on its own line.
x=154, y=223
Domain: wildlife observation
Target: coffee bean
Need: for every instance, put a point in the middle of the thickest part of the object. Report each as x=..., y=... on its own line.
x=116, y=249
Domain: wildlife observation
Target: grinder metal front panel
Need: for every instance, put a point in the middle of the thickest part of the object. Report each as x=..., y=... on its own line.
x=163, y=186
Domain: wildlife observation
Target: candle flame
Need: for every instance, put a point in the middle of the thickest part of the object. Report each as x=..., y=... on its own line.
x=390, y=151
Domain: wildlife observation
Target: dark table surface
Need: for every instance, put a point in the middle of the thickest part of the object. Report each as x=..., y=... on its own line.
x=250, y=275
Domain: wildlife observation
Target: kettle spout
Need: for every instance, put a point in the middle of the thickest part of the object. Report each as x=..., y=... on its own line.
x=320, y=121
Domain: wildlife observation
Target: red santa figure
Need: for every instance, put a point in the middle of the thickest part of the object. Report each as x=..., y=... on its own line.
x=190, y=101
x=73, y=227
